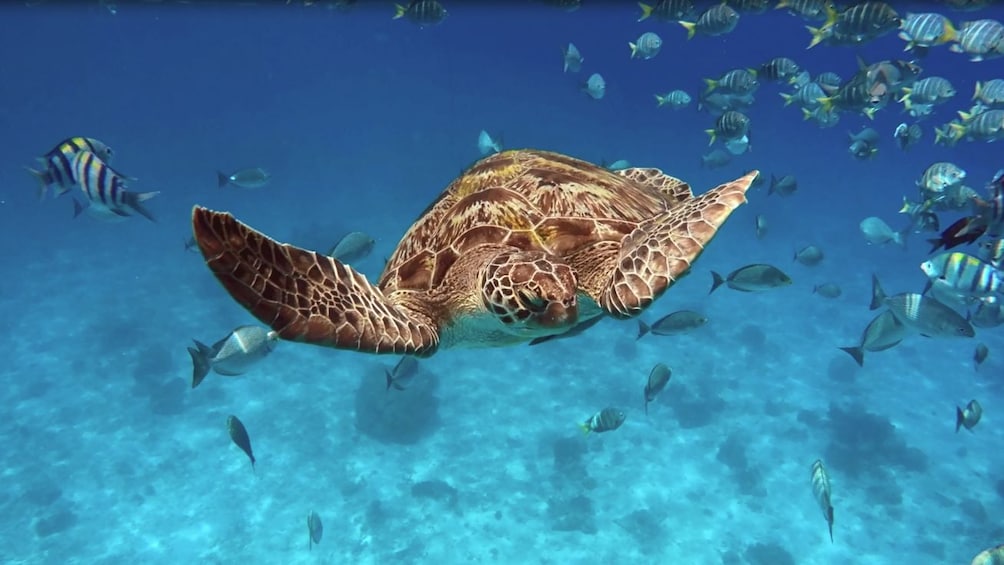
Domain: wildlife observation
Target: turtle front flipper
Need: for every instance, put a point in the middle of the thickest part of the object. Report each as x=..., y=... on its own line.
x=661, y=250
x=305, y=296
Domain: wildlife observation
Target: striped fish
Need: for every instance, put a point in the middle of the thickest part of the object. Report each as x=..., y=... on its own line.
x=667, y=10
x=421, y=12
x=812, y=10
x=728, y=126
x=926, y=30
x=990, y=92
x=605, y=420
x=964, y=274
x=993, y=252
x=821, y=492
x=923, y=314
x=980, y=39
x=716, y=20
x=105, y=189
x=57, y=164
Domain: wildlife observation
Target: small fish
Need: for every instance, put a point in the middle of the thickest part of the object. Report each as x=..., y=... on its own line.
x=738, y=146
x=352, y=247
x=991, y=556
x=239, y=435
x=968, y=417
x=964, y=230
x=667, y=10
x=821, y=492
x=926, y=30
x=938, y=177
x=244, y=178
x=988, y=314
x=864, y=144
x=716, y=158
x=606, y=420
x=784, y=186
x=716, y=20
x=315, y=529
x=964, y=274
x=658, y=377
x=980, y=355
x=191, y=245
x=403, y=373
x=812, y=10
x=809, y=255
x=990, y=92
x=679, y=322
x=234, y=354
x=105, y=189
x=885, y=331
x=676, y=99
x=907, y=136
x=877, y=232
x=924, y=314
x=980, y=39
x=618, y=165
x=646, y=46
x=488, y=145
x=760, y=226
x=751, y=278
x=827, y=290
x=595, y=87
x=572, y=58
x=779, y=69
x=576, y=330
x=421, y=12
x=730, y=125
x=57, y=164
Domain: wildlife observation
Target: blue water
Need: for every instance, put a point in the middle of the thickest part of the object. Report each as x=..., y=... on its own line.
x=110, y=457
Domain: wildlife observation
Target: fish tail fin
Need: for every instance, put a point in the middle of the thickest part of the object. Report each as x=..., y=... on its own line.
x=222, y=179
x=716, y=281
x=643, y=329
x=399, y=11
x=712, y=85
x=661, y=100
x=782, y=4
x=818, y=35
x=951, y=34
x=959, y=418
x=878, y=295
x=857, y=353
x=200, y=361
x=978, y=90
x=773, y=184
x=825, y=104
x=135, y=201
x=711, y=134
x=634, y=48
x=806, y=114
x=44, y=180
x=787, y=98
x=646, y=11
x=691, y=28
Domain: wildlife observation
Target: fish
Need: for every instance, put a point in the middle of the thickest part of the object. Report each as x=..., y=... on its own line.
x=784, y=186
x=926, y=29
x=676, y=99
x=980, y=355
x=244, y=178
x=315, y=529
x=105, y=189
x=739, y=145
x=576, y=330
x=571, y=58
x=989, y=92
x=827, y=290
x=985, y=125
x=760, y=226
x=715, y=159
x=595, y=87
x=751, y=278
x=716, y=20
x=964, y=274
x=606, y=420
x=991, y=556
x=877, y=232
x=488, y=145
x=678, y=322
x=810, y=255
x=779, y=69
x=352, y=247
x=980, y=39
x=885, y=331
x=730, y=125
x=646, y=46
x=988, y=314
x=992, y=251
x=190, y=244
x=968, y=417
x=907, y=136
x=658, y=378
x=57, y=164
x=737, y=81
x=938, y=177
x=821, y=492
x=239, y=435
x=402, y=374
x=807, y=98
x=964, y=230
x=864, y=144
x=930, y=90
x=856, y=24
x=812, y=10
x=667, y=10
x=923, y=314
x=233, y=355
x=421, y=12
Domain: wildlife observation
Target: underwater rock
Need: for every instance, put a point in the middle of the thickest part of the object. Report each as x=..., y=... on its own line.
x=55, y=523
x=768, y=554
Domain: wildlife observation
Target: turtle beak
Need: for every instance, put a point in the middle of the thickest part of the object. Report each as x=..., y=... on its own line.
x=558, y=315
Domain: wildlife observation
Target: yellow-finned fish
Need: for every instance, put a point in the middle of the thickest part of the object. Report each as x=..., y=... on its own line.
x=821, y=492
x=105, y=189
x=606, y=420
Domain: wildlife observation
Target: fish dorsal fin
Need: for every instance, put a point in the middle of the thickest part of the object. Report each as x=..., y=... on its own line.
x=674, y=189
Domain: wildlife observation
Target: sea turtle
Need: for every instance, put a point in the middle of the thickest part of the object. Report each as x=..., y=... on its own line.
x=523, y=244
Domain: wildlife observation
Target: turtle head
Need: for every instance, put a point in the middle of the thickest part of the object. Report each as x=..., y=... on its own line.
x=531, y=292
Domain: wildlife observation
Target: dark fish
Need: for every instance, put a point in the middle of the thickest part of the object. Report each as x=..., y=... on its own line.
x=716, y=20
x=315, y=529
x=105, y=189
x=885, y=331
x=751, y=278
x=57, y=164
x=605, y=420
x=784, y=186
x=190, y=244
x=657, y=380
x=963, y=230
x=239, y=435
x=402, y=374
x=728, y=126
x=968, y=417
x=779, y=68
x=667, y=10
x=980, y=355
x=827, y=290
x=821, y=491
x=760, y=226
x=244, y=178
x=352, y=247
x=679, y=322
x=421, y=12
x=576, y=330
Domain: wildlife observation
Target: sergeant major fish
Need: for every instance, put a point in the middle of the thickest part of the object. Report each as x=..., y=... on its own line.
x=716, y=20
x=605, y=420
x=646, y=46
x=234, y=354
x=57, y=164
x=421, y=12
x=964, y=274
x=105, y=189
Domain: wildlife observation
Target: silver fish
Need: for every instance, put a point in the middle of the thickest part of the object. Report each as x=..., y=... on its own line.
x=239, y=435
x=980, y=39
x=885, y=331
x=827, y=290
x=751, y=278
x=646, y=46
x=572, y=58
x=403, y=373
x=595, y=87
x=760, y=226
x=877, y=232
x=991, y=556
x=968, y=417
x=980, y=355
x=682, y=321
x=658, y=377
x=352, y=247
x=809, y=255
x=244, y=178
x=821, y=492
x=315, y=529
x=676, y=99
x=716, y=20
x=606, y=420
x=234, y=354
x=925, y=315
x=487, y=144
x=784, y=186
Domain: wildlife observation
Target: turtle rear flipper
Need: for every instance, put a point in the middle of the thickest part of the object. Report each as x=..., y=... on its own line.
x=305, y=296
x=660, y=251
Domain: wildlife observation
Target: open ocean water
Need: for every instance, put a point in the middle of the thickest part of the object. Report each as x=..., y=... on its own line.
x=109, y=456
